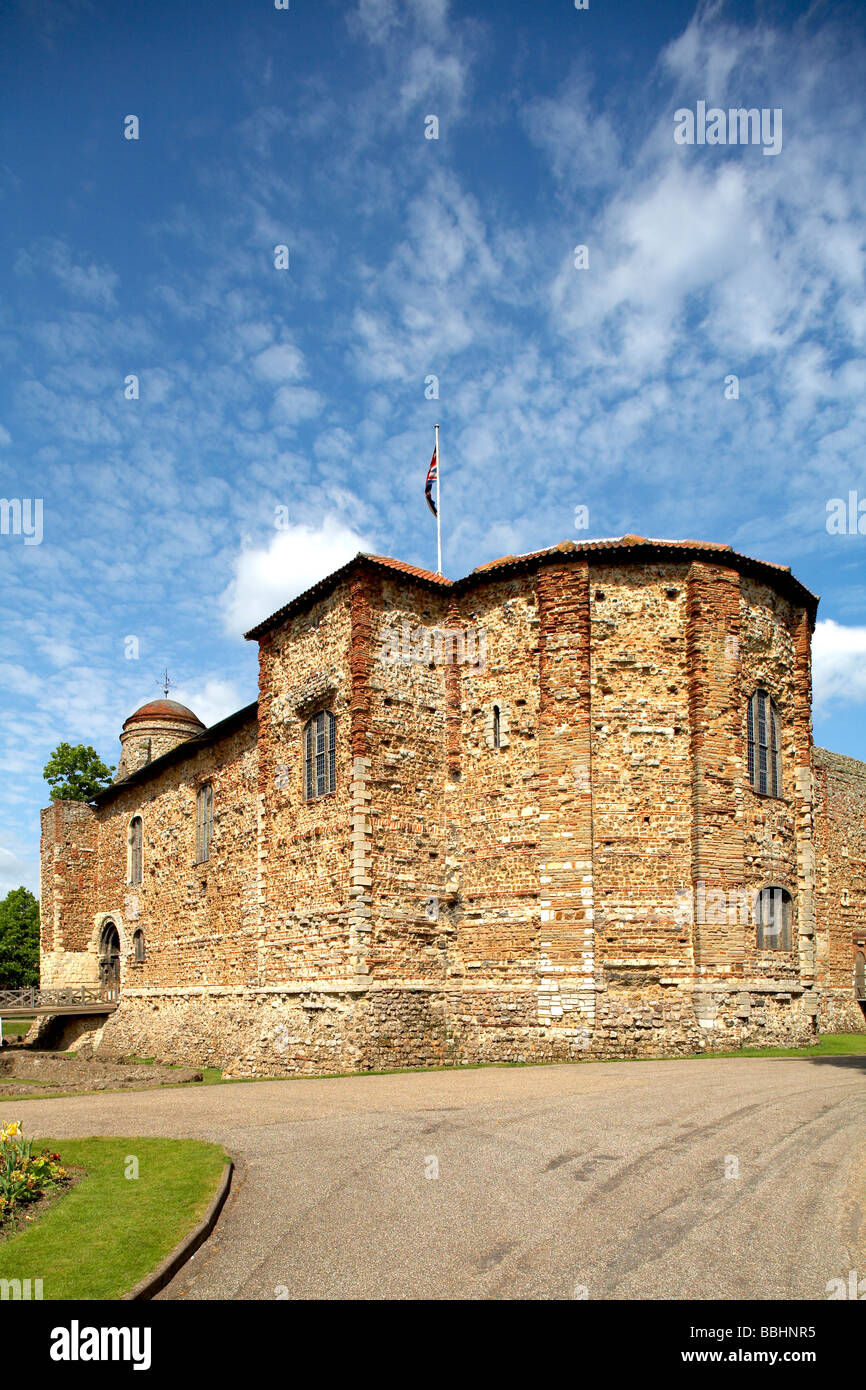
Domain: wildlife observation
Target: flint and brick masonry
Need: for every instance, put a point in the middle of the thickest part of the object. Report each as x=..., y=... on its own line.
x=500, y=870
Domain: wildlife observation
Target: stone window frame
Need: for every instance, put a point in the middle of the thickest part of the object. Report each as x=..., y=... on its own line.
x=139, y=946
x=135, y=852
x=771, y=747
x=786, y=942
x=319, y=779
x=490, y=729
x=203, y=822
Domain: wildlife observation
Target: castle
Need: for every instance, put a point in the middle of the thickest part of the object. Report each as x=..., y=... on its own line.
x=566, y=806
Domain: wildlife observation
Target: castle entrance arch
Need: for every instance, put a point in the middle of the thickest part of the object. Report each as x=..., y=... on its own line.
x=109, y=962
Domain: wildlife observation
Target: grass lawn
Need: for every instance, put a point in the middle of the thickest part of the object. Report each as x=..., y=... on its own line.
x=16, y=1027
x=99, y=1239
x=828, y=1045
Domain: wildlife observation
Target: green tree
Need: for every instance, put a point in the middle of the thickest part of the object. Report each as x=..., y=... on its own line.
x=75, y=774
x=19, y=940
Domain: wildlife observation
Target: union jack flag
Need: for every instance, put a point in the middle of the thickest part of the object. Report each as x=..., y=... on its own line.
x=432, y=477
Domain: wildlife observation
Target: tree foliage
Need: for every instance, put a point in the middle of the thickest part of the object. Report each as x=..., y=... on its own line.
x=75, y=773
x=19, y=940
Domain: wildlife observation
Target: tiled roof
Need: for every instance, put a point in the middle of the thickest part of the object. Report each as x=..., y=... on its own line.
x=330, y=582
x=165, y=709
x=406, y=569
x=640, y=550
x=186, y=749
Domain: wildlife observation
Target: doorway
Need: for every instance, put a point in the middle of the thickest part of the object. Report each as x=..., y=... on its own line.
x=109, y=963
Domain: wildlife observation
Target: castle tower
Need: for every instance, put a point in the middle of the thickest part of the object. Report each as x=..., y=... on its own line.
x=153, y=730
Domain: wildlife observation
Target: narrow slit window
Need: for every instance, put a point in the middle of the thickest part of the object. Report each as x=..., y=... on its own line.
x=135, y=851
x=203, y=823
x=497, y=732
x=764, y=745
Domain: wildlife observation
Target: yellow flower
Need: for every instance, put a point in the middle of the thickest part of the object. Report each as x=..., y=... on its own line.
x=12, y=1130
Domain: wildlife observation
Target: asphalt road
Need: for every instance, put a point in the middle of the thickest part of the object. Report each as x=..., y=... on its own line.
x=650, y=1180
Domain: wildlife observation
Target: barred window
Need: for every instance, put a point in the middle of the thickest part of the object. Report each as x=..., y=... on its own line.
x=765, y=748
x=774, y=911
x=320, y=754
x=138, y=945
x=135, y=851
x=203, y=823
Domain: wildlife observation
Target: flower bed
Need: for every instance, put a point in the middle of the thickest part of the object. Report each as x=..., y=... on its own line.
x=25, y=1177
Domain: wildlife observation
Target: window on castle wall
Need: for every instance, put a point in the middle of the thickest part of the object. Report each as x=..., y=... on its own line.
x=774, y=917
x=138, y=946
x=320, y=754
x=135, y=850
x=765, y=745
x=497, y=732
x=203, y=823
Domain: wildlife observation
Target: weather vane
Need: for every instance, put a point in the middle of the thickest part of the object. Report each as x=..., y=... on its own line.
x=165, y=682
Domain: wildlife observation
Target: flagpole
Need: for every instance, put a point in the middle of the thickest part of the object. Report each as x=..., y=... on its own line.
x=438, y=506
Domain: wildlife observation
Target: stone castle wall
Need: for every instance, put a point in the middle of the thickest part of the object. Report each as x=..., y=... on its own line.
x=524, y=834
x=840, y=854
x=199, y=919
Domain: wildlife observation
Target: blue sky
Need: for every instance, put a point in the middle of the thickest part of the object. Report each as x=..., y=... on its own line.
x=304, y=389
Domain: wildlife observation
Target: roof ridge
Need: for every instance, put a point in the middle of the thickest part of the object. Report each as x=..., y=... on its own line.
x=627, y=543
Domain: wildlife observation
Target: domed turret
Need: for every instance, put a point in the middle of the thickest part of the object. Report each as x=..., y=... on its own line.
x=152, y=731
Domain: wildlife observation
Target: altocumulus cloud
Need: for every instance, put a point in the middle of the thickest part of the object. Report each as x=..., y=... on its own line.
x=295, y=558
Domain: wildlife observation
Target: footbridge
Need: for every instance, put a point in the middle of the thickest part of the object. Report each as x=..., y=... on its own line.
x=78, y=999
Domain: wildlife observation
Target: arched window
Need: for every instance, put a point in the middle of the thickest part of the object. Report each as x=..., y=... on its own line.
x=138, y=946
x=320, y=754
x=135, y=852
x=774, y=914
x=765, y=750
x=497, y=730
x=203, y=823
x=860, y=977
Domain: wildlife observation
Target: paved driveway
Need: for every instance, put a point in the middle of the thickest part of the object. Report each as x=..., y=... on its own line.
x=609, y=1178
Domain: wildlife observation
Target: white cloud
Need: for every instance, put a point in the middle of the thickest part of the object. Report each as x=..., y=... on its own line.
x=281, y=362
x=91, y=282
x=213, y=700
x=292, y=404
x=267, y=577
x=18, y=680
x=582, y=147
x=838, y=662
